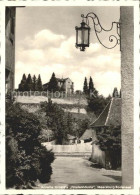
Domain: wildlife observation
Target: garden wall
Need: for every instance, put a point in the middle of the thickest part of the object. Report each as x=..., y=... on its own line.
x=71, y=149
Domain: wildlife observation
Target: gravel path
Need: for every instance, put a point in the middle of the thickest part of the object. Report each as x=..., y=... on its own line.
x=70, y=172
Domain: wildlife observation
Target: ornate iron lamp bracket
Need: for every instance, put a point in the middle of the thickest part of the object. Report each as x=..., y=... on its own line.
x=115, y=39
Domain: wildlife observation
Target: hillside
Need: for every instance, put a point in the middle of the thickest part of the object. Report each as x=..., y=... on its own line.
x=38, y=99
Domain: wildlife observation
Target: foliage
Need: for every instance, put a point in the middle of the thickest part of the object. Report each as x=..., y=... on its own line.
x=53, y=84
x=57, y=121
x=61, y=89
x=115, y=92
x=89, y=89
x=34, y=87
x=85, y=87
x=97, y=104
x=22, y=83
x=109, y=140
x=39, y=86
x=71, y=106
x=82, y=126
x=30, y=84
x=26, y=159
x=63, y=123
x=46, y=135
x=70, y=125
x=120, y=93
x=91, y=85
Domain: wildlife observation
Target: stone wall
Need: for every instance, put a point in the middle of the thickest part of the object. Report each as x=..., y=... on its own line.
x=32, y=108
x=84, y=148
x=127, y=88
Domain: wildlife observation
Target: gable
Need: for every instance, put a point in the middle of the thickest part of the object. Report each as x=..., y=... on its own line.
x=68, y=80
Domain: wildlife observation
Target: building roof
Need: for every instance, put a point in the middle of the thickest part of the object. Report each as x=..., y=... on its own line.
x=61, y=80
x=87, y=134
x=58, y=79
x=111, y=115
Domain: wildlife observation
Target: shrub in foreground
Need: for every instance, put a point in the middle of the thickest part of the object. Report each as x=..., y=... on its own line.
x=109, y=140
x=26, y=159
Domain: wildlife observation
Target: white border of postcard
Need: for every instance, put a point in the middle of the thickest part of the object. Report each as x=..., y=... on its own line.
x=3, y=3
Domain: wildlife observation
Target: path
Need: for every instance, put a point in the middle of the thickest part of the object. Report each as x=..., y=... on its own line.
x=71, y=172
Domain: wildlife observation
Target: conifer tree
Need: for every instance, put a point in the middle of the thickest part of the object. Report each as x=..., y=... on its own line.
x=39, y=84
x=92, y=90
x=24, y=78
x=115, y=92
x=91, y=86
x=34, y=81
x=22, y=83
x=85, y=87
x=53, y=84
x=29, y=84
x=120, y=93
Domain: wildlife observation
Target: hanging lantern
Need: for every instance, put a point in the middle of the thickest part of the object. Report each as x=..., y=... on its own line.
x=82, y=36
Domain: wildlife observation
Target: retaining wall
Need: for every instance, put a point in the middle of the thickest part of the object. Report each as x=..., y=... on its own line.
x=71, y=149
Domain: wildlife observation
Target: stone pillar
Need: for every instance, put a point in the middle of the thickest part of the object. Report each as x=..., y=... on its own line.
x=127, y=88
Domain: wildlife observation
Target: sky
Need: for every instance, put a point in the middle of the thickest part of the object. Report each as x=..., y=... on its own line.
x=45, y=43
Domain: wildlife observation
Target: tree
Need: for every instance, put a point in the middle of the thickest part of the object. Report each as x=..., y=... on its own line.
x=109, y=140
x=96, y=104
x=29, y=84
x=115, y=92
x=62, y=88
x=69, y=120
x=82, y=126
x=53, y=84
x=34, y=81
x=39, y=86
x=92, y=90
x=26, y=159
x=85, y=87
x=22, y=83
x=120, y=93
x=63, y=123
x=91, y=86
x=57, y=121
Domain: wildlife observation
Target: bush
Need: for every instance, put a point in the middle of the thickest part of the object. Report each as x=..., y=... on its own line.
x=57, y=121
x=109, y=141
x=97, y=104
x=26, y=159
x=62, y=123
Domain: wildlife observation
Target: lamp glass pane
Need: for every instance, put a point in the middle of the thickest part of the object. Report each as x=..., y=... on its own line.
x=85, y=35
x=79, y=36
